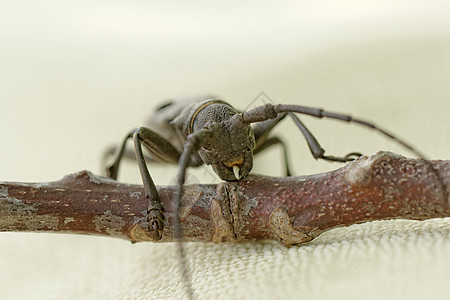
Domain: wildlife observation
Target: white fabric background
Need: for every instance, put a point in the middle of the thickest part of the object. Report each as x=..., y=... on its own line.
x=76, y=76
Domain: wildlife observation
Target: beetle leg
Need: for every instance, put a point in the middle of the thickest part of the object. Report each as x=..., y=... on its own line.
x=155, y=211
x=262, y=129
x=161, y=149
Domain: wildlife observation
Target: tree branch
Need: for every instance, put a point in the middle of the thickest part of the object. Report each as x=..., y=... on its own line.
x=292, y=210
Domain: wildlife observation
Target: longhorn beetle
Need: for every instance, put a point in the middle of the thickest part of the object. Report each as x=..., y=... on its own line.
x=214, y=133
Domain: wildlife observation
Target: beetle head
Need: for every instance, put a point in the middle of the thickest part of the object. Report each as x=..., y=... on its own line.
x=229, y=150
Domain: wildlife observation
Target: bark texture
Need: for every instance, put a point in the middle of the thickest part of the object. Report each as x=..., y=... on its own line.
x=292, y=210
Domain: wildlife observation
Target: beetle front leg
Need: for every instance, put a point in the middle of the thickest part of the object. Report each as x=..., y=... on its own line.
x=193, y=143
x=155, y=211
x=163, y=151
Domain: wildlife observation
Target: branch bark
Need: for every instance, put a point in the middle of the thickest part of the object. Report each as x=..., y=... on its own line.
x=292, y=210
